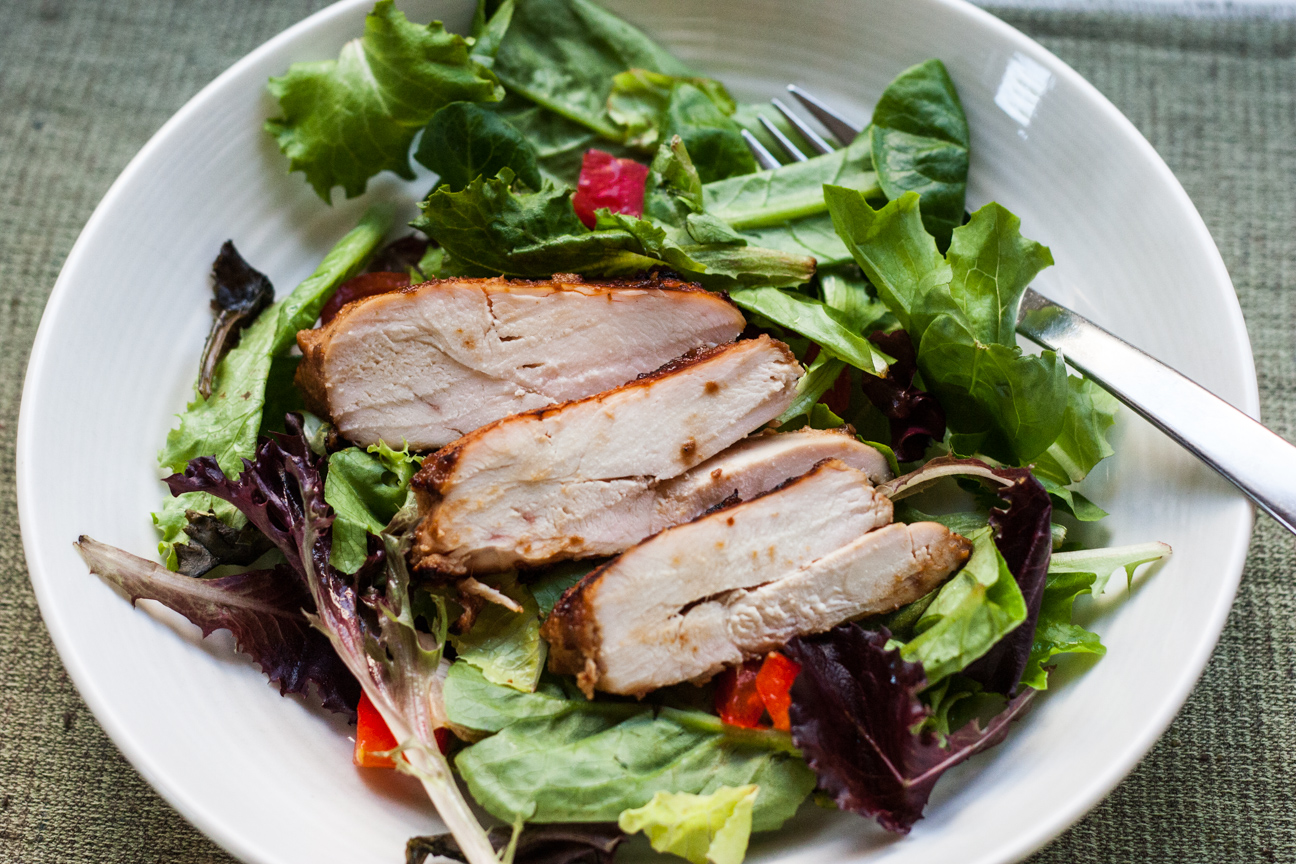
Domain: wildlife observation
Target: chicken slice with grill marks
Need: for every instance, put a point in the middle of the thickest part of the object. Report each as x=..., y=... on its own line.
x=577, y=480
x=744, y=580
x=435, y=361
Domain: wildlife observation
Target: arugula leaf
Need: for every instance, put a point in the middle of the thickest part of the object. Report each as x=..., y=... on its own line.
x=580, y=761
x=1071, y=574
x=919, y=138
x=816, y=321
x=464, y=140
x=1102, y=563
x=261, y=608
x=848, y=293
x=698, y=828
x=564, y=55
x=506, y=645
x=226, y=424
x=345, y=120
x=1054, y=632
x=366, y=490
x=854, y=712
x=969, y=614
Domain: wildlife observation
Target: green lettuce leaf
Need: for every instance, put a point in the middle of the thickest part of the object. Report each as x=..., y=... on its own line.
x=820, y=376
x=919, y=138
x=1071, y=574
x=972, y=612
x=960, y=311
x=556, y=759
x=497, y=229
x=566, y=54
x=464, y=140
x=346, y=120
x=698, y=828
x=831, y=330
x=366, y=490
x=506, y=645
x=225, y=425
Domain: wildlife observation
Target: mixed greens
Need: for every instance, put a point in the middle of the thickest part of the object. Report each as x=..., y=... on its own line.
x=900, y=304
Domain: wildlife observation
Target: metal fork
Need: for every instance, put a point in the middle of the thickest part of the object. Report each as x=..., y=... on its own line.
x=1245, y=453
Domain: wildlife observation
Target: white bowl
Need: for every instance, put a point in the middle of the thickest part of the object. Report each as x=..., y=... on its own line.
x=270, y=779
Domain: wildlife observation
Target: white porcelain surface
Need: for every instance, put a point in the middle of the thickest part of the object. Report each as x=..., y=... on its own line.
x=269, y=778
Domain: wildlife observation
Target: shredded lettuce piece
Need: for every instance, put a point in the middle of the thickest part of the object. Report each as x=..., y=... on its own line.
x=506, y=645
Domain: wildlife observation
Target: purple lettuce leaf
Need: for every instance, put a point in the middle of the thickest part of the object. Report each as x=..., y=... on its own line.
x=915, y=417
x=1023, y=535
x=261, y=608
x=854, y=708
x=366, y=615
x=263, y=491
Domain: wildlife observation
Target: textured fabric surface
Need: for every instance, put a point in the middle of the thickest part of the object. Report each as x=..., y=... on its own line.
x=83, y=85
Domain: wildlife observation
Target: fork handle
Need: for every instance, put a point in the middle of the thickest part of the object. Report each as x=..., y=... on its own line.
x=1247, y=454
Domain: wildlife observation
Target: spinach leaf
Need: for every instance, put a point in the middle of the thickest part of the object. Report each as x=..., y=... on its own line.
x=345, y=120
x=593, y=761
x=654, y=107
x=559, y=757
x=972, y=612
x=506, y=645
x=366, y=490
x=559, y=143
x=549, y=587
x=919, y=137
x=480, y=706
x=773, y=198
x=564, y=55
x=816, y=321
x=225, y=424
x=463, y=141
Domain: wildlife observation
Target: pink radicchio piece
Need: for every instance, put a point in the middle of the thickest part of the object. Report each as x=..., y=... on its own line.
x=854, y=706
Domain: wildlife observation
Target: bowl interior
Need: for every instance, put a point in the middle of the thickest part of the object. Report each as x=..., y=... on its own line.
x=270, y=778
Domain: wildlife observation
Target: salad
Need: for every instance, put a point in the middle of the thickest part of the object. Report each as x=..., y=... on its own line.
x=637, y=491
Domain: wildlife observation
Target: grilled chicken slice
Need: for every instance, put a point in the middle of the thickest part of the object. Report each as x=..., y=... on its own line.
x=575, y=480
x=438, y=360
x=744, y=580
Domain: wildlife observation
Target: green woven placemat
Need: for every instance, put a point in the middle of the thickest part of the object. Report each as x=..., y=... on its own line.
x=83, y=85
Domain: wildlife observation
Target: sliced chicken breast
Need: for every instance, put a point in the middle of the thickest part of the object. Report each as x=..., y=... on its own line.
x=578, y=479
x=744, y=580
x=438, y=360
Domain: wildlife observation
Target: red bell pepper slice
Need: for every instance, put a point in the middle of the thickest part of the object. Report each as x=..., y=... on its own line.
x=364, y=285
x=736, y=699
x=774, y=684
x=606, y=181
x=373, y=737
